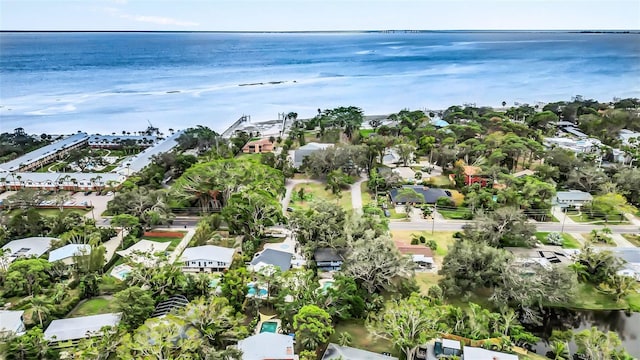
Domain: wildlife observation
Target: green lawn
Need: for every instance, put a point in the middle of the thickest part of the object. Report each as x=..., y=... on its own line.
x=314, y=191
x=584, y=217
x=93, y=306
x=396, y=215
x=443, y=238
x=361, y=338
x=569, y=241
x=174, y=241
x=366, y=195
x=634, y=239
x=588, y=297
x=54, y=212
x=457, y=214
x=364, y=133
x=426, y=280
x=441, y=180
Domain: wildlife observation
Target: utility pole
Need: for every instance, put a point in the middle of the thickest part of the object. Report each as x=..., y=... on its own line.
x=433, y=217
x=564, y=210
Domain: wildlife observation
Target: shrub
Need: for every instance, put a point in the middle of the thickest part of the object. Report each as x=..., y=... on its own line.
x=457, y=235
x=435, y=292
x=432, y=244
x=415, y=241
x=555, y=238
x=445, y=201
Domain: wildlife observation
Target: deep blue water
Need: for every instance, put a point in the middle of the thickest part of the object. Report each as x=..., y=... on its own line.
x=105, y=82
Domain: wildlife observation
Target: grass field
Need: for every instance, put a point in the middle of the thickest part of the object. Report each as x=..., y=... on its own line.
x=54, y=212
x=364, y=191
x=443, y=238
x=426, y=280
x=584, y=217
x=634, y=239
x=589, y=297
x=361, y=338
x=315, y=191
x=174, y=241
x=569, y=241
x=441, y=180
x=93, y=306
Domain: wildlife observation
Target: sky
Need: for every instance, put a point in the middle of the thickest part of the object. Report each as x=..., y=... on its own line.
x=319, y=15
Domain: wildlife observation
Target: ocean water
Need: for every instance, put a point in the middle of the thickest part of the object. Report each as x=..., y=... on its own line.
x=110, y=82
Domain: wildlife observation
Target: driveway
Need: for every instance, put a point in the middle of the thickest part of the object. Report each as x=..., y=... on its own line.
x=182, y=245
x=356, y=195
x=290, y=184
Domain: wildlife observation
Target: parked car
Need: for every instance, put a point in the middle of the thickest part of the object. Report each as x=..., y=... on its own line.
x=387, y=213
x=289, y=209
x=87, y=193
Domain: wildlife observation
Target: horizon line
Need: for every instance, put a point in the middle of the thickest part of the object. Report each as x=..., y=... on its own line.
x=625, y=31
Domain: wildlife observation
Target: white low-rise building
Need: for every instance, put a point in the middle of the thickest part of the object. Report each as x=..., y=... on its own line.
x=67, y=252
x=207, y=258
x=25, y=248
x=11, y=323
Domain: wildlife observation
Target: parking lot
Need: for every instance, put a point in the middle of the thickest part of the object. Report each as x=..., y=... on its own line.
x=99, y=203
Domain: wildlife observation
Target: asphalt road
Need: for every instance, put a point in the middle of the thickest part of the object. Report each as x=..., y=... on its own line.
x=547, y=227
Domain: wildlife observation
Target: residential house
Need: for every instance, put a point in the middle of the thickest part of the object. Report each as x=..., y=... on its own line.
x=421, y=255
x=306, y=150
x=207, y=258
x=268, y=346
x=27, y=247
x=11, y=323
x=68, y=332
x=141, y=251
x=272, y=257
x=406, y=173
x=431, y=195
x=59, y=181
x=631, y=256
x=335, y=352
x=67, y=252
x=258, y=146
x=572, y=130
x=328, y=259
x=575, y=198
x=628, y=137
x=472, y=175
x=446, y=347
x=523, y=173
x=475, y=353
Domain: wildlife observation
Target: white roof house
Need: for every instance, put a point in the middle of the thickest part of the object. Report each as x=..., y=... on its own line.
x=335, y=352
x=306, y=150
x=207, y=258
x=11, y=322
x=80, y=327
x=267, y=345
x=474, y=353
x=626, y=135
x=631, y=256
x=66, y=253
x=28, y=247
x=143, y=246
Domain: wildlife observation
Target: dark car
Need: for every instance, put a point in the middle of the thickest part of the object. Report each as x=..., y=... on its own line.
x=290, y=209
x=387, y=213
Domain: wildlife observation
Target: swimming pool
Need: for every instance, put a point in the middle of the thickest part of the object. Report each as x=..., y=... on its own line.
x=327, y=285
x=269, y=326
x=260, y=292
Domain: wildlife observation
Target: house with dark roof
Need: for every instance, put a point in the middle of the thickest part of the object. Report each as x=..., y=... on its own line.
x=328, y=259
x=272, y=257
x=431, y=195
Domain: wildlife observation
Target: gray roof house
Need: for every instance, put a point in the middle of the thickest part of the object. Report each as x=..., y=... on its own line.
x=335, y=352
x=266, y=346
x=431, y=195
x=11, y=322
x=28, y=247
x=207, y=258
x=66, y=253
x=572, y=198
x=273, y=257
x=328, y=259
x=66, y=332
x=306, y=150
x=631, y=256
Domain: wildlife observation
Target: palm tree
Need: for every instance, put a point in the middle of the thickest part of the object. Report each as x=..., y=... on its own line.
x=559, y=351
x=344, y=339
x=41, y=306
x=620, y=286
